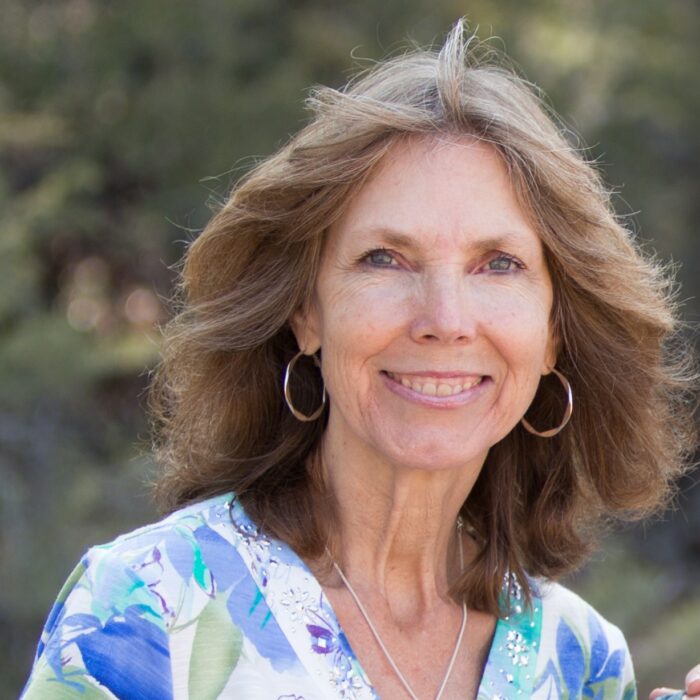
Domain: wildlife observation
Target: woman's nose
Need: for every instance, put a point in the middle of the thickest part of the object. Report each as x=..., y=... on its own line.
x=445, y=311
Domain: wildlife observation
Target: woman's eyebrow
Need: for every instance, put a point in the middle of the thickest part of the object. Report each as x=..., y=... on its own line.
x=396, y=239
x=504, y=241
x=389, y=237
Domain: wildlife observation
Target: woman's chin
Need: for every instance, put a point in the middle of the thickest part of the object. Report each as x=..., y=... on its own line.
x=431, y=458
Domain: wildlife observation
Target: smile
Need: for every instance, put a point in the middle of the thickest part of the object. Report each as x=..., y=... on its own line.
x=430, y=385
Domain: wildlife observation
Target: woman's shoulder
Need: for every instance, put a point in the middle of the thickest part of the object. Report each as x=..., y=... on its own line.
x=178, y=524
x=579, y=648
x=183, y=557
x=134, y=601
x=563, y=606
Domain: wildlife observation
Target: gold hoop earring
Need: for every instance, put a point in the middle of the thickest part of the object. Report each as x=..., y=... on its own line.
x=567, y=413
x=287, y=397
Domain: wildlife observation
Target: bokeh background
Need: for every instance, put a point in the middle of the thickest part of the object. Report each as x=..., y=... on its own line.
x=120, y=122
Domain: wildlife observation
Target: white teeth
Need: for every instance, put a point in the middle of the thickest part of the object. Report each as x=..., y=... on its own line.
x=429, y=387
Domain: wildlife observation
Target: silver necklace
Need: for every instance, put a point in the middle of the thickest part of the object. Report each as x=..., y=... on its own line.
x=382, y=646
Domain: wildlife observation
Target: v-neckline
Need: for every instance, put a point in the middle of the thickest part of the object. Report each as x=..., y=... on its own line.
x=306, y=617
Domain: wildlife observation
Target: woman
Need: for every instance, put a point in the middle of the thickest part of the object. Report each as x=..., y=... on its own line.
x=363, y=412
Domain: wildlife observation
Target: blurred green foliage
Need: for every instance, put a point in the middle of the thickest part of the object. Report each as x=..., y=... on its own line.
x=118, y=121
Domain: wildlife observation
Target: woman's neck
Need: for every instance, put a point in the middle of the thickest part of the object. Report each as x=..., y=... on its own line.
x=397, y=530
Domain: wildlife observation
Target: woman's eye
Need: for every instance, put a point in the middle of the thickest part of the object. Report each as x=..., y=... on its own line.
x=503, y=263
x=379, y=257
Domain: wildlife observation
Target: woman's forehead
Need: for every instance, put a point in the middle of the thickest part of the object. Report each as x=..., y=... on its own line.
x=429, y=187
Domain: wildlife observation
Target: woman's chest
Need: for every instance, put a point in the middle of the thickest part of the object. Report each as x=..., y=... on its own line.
x=425, y=657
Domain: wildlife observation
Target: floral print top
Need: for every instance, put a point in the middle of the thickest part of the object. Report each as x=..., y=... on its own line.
x=203, y=605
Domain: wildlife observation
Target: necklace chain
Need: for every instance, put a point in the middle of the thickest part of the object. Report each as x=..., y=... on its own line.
x=382, y=646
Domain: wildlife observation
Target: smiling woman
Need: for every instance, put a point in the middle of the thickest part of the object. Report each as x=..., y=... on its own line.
x=361, y=507
x=432, y=293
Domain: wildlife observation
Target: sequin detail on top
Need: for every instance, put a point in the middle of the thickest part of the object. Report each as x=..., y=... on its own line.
x=302, y=610
x=509, y=670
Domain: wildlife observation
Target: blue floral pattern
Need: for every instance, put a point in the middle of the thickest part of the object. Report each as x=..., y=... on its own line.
x=586, y=667
x=203, y=605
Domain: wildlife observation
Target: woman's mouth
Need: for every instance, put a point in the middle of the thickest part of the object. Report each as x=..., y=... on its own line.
x=431, y=385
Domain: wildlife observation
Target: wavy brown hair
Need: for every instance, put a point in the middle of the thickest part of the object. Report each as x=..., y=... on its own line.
x=220, y=420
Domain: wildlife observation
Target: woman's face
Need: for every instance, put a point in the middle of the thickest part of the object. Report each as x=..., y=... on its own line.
x=431, y=309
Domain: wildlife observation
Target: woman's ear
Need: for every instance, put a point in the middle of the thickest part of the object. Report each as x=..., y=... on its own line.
x=306, y=326
x=551, y=352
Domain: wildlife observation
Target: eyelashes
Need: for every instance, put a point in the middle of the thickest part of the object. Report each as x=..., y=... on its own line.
x=497, y=261
x=379, y=257
x=503, y=262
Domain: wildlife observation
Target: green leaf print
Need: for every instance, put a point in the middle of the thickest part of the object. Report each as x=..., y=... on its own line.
x=630, y=691
x=75, y=686
x=215, y=651
x=202, y=575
